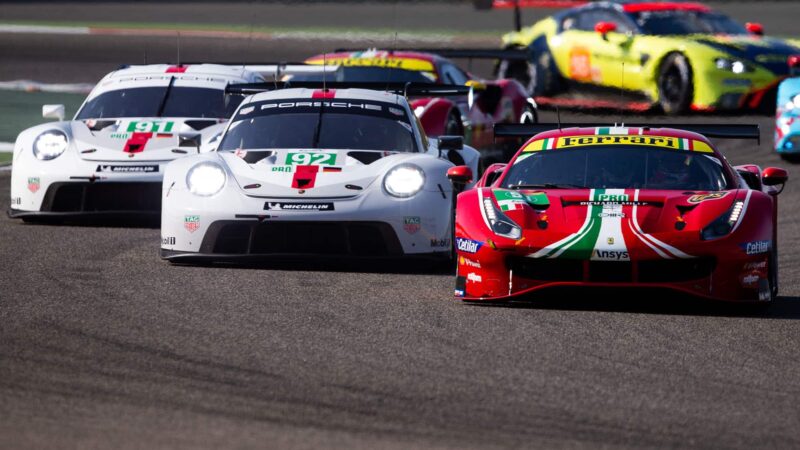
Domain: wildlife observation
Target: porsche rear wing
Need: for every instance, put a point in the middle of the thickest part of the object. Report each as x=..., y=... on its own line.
x=719, y=131
x=274, y=69
x=406, y=89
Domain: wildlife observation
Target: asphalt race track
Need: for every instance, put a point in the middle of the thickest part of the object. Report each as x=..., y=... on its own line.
x=103, y=345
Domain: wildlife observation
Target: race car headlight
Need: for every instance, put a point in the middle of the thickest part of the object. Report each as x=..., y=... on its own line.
x=404, y=180
x=205, y=179
x=795, y=103
x=732, y=65
x=50, y=145
x=500, y=224
x=723, y=224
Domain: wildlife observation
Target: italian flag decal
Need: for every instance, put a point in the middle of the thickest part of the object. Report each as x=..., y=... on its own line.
x=508, y=200
x=542, y=144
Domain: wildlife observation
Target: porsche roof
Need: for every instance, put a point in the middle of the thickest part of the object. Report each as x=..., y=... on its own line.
x=330, y=95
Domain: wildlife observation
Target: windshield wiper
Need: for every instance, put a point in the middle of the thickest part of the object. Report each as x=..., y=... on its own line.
x=163, y=103
x=548, y=186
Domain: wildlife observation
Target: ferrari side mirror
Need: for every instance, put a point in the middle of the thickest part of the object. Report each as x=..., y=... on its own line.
x=53, y=112
x=459, y=175
x=774, y=176
x=754, y=28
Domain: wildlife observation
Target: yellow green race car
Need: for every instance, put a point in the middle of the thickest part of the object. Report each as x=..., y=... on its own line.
x=681, y=56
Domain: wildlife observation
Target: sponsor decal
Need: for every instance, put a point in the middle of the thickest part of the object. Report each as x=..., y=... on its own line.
x=703, y=197
x=33, y=184
x=412, y=224
x=750, y=280
x=755, y=265
x=610, y=241
x=316, y=104
x=537, y=199
x=311, y=158
x=468, y=245
x=16, y=200
x=437, y=243
x=607, y=203
x=120, y=135
x=127, y=169
x=474, y=277
x=611, y=215
x=281, y=168
x=756, y=247
x=376, y=60
x=610, y=255
x=151, y=126
x=667, y=142
x=284, y=206
x=169, y=240
x=191, y=223
x=469, y=263
x=246, y=110
x=613, y=198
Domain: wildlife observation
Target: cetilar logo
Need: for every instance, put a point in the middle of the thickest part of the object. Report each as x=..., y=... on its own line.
x=467, y=245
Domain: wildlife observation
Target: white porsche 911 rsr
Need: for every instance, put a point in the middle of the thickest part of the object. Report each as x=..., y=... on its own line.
x=109, y=159
x=325, y=172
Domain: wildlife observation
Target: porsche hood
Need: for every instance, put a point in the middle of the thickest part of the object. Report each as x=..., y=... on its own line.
x=306, y=174
x=142, y=139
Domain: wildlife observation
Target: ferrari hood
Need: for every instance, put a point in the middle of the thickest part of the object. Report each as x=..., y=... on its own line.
x=305, y=174
x=137, y=139
x=770, y=53
x=613, y=224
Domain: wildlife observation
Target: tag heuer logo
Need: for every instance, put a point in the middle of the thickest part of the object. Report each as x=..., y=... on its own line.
x=33, y=184
x=412, y=224
x=191, y=223
x=610, y=241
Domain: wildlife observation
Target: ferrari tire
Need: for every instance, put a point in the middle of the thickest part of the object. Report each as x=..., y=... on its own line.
x=675, y=88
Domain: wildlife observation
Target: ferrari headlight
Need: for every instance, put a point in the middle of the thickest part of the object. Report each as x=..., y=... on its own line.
x=731, y=65
x=404, y=180
x=500, y=224
x=723, y=224
x=205, y=179
x=50, y=145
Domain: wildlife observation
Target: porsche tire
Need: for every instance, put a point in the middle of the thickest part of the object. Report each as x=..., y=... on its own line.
x=675, y=88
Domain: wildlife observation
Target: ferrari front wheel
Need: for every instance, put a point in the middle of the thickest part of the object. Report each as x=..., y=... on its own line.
x=675, y=89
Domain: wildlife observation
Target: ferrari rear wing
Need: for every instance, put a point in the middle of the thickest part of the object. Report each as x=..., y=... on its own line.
x=466, y=53
x=716, y=130
x=407, y=89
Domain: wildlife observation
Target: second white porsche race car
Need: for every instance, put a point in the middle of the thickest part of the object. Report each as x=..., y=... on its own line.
x=340, y=172
x=109, y=159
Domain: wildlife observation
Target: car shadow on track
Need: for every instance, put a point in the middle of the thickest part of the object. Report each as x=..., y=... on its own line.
x=650, y=302
x=390, y=266
x=115, y=222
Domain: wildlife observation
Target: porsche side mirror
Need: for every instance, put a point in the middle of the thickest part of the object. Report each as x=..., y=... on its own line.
x=459, y=175
x=754, y=28
x=605, y=28
x=53, y=112
x=189, y=140
x=774, y=176
x=451, y=143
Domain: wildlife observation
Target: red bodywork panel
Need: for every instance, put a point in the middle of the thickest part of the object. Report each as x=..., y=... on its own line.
x=616, y=237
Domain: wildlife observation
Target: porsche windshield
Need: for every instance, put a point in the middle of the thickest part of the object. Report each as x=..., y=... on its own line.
x=617, y=167
x=162, y=101
x=336, y=124
x=369, y=74
x=679, y=22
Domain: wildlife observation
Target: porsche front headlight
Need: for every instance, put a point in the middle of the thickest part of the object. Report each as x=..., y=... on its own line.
x=206, y=179
x=404, y=181
x=50, y=145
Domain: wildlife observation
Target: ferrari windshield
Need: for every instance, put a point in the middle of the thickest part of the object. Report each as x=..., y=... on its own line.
x=329, y=124
x=368, y=74
x=618, y=167
x=679, y=22
x=161, y=101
